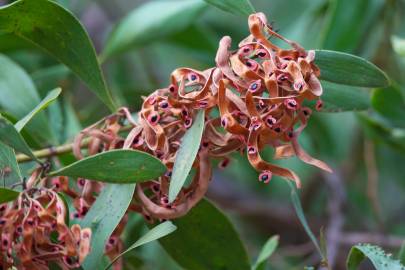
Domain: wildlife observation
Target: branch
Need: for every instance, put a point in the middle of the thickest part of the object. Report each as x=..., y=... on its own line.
x=52, y=151
x=61, y=149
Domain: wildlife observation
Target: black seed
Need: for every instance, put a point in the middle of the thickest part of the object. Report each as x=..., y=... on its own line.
x=277, y=129
x=68, y=260
x=154, y=118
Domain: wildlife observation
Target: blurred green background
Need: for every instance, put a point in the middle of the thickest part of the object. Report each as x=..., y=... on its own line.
x=362, y=202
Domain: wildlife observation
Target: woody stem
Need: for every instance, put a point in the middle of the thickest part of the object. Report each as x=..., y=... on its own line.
x=59, y=150
x=52, y=151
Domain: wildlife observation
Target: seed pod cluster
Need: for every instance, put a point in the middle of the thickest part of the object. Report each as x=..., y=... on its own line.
x=253, y=98
x=34, y=233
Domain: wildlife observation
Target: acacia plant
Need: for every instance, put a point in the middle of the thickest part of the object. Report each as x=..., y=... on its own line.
x=74, y=205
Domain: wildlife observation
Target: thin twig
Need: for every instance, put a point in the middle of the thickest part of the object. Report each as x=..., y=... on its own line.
x=336, y=202
x=51, y=151
x=61, y=149
x=372, y=180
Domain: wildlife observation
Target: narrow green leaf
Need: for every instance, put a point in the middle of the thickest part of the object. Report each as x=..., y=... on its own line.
x=9, y=171
x=150, y=21
x=390, y=104
x=51, y=97
x=156, y=233
x=401, y=255
x=340, y=98
x=398, y=45
x=57, y=31
x=7, y=195
x=206, y=239
x=267, y=250
x=18, y=96
x=343, y=68
x=10, y=136
x=375, y=254
x=238, y=7
x=103, y=217
x=115, y=166
x=301, y=216
x=186, y=155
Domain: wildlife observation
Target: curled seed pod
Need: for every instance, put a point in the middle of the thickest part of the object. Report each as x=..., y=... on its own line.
x=246, y=50
x=291, y=104
x=265, y=177
x=153, y=119
x=319, y=105
x=255, y=86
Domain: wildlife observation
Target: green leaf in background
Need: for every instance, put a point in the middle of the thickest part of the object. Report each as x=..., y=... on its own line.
x=349, y=22
x=50, y=78
x=390, y=104
x=295, y=199
x=267, y=250
x=18, y=96
x=7, y=195
x=375, y=254
x=395, y=138
x=206, y=239
x=398, y=44
x=58, y=32
x=155, y=233
x=152, y=20
x=103, y=217
x=51, y=97
x=238, y=7
x=343, y=68
x=10, y=136
x=115, y=166
x=339, y=98
x=186, y=155
x=71, y=121
x=9, y=171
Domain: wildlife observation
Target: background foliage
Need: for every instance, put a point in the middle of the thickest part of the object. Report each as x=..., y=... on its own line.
x=140, y=42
